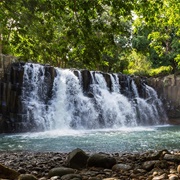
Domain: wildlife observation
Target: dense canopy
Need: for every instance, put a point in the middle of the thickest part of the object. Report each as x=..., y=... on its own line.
x=132, y=36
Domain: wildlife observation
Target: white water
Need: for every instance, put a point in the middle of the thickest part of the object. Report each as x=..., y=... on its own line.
x=70, y=108
x=33, y=103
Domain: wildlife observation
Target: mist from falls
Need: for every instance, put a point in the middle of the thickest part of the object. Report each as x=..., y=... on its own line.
x=67, y=105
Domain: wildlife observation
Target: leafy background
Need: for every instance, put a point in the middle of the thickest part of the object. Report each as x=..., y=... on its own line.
x=133, y=36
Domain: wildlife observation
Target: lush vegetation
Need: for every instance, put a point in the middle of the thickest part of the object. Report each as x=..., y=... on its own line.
x=132, y=36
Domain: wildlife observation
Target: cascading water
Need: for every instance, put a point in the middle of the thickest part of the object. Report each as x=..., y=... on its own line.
x=34, y=96
x=66, y=105
x=115, y=83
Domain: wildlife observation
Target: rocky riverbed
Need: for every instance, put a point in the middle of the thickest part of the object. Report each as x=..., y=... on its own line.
x=80, y=165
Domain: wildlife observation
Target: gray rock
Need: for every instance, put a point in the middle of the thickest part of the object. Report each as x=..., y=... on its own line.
x=124, y=167
x=60, y=171
x=172, y=157
x=149, y=165
x=77, y=159
x=71, y=177
x=99, y=160
x=27, y=177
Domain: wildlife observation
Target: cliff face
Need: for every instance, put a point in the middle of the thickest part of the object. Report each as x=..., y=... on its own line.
x=168, y=89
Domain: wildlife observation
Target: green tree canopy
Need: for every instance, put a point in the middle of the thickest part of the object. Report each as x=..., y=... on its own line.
x=161, y=20
x=81, y=33
x=103, y=35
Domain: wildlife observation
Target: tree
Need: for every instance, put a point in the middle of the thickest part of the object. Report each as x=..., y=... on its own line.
x=163, y=21
x=85, y=33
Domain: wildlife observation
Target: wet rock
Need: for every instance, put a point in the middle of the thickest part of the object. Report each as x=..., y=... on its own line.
x=172, y=157
x=86, y=79
x=99, y=160
x=8, y=173
x=27, y=177
x=77, y=159
x=60, y=171
x=71, y=177
x=149, y=165
x=118, y=167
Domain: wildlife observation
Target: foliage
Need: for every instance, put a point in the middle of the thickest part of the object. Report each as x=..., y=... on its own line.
x=162, y=20
x=84, y=34
x=107, y=35
x=163, y=70
x=138, y=64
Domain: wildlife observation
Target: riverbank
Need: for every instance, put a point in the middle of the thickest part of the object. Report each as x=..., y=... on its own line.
x=68, y=166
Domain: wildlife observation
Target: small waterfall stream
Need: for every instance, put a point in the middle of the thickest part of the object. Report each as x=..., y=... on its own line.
x=67, y=105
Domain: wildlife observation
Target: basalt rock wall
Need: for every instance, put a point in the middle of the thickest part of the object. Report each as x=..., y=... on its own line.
x=168, y=89
x=13, y=115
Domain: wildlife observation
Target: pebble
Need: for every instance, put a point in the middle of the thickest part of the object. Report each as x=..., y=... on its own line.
x=144, y=166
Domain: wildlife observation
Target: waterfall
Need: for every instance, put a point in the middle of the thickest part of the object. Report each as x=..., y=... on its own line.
x=34, y=96
x=66, y=105
x=115, y=83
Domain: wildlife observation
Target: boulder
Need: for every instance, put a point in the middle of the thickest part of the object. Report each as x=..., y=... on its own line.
x=7, y=173
x=60, y=171
x=77, y=159
x=172, y=157
x=99, y=160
